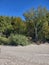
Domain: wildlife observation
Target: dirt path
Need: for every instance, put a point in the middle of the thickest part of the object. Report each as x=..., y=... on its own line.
x=27, y=55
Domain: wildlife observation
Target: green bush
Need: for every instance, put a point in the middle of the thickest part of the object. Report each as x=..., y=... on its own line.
x=4, y=40
x=18, y=40
x=14, y=40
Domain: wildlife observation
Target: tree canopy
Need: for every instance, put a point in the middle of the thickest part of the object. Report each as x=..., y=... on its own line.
x=35, y=25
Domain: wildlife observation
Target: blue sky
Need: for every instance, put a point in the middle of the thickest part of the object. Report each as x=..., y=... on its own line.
x=18, y=7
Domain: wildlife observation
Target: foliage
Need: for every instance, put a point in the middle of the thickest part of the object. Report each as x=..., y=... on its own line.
x=35, y=25
x=18, y=40
x=38, y=23
x=4, y=40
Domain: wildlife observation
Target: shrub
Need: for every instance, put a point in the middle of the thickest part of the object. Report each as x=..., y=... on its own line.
x=4, y=40
x=18, y=39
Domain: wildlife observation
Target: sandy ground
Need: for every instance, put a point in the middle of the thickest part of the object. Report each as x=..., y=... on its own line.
x=27, y=55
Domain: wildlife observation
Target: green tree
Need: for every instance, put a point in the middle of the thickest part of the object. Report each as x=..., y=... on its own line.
x=5, y=25
x=37, y=19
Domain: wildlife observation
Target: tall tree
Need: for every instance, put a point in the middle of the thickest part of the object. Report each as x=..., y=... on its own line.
x=37, y=18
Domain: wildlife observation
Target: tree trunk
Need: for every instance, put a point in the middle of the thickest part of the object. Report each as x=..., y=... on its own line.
x=36, y=35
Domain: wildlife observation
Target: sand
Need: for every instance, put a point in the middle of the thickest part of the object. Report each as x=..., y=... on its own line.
x=25, y=55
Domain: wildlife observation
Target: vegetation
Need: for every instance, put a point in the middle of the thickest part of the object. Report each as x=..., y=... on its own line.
x=14, y=40
x=15, y=31
x=18, y=40
x=38, y=24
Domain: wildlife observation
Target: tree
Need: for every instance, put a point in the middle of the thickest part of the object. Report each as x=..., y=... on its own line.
x=5, y=25
x=18, y=25
x=37, y=19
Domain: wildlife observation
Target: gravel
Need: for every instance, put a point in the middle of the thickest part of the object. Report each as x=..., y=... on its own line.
x=24, y=55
